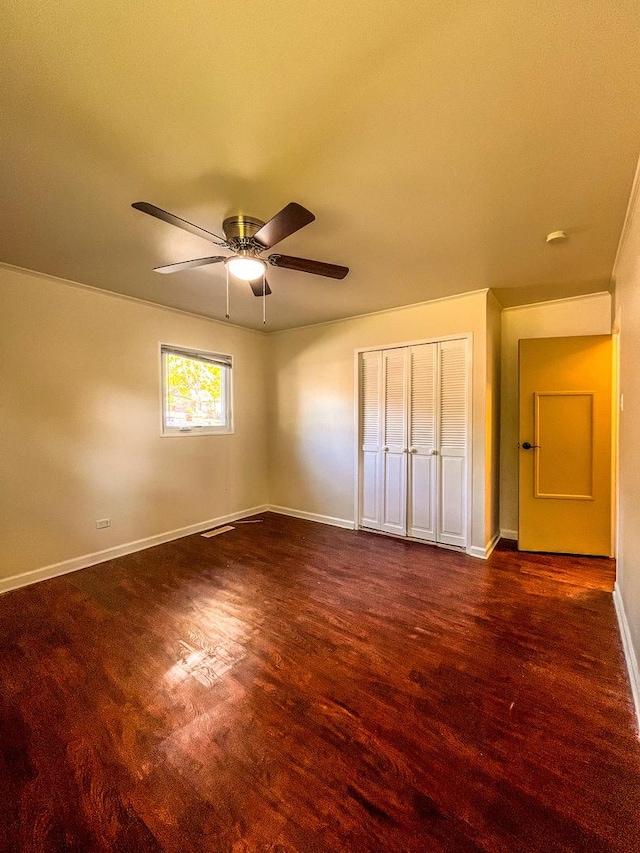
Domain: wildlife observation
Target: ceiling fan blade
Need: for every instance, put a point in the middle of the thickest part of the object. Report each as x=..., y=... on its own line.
x=289, y=220
x=305, y=265
x=188, y=265
x=256, y=286
x=152, y=210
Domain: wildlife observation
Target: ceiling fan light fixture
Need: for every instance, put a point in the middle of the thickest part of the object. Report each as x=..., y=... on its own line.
x=246, y=268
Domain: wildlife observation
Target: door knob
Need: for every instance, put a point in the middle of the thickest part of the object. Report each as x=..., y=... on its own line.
x=526, y=445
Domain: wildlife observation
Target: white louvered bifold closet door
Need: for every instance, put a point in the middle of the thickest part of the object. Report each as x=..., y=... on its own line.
x=453, y=441
x=394, y=419
x=423, y=443
x=414, y=436
x=371, y=439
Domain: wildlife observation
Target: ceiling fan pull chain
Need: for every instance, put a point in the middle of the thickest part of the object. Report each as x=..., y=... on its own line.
x=227, y=314
x=264, y=298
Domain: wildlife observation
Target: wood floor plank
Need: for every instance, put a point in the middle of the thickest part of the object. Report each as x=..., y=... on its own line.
x=299, y=688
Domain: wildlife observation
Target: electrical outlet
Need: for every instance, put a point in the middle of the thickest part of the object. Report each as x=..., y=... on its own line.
x=103, y=522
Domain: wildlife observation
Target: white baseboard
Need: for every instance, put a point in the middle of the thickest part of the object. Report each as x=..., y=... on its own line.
x=63, y=568
x=629, y=651
x=509, y=534
x=476, y=551
x=313, y=516
x=484, y=553
x=492, y=544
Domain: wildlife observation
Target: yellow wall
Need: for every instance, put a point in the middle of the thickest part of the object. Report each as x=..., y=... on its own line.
x=585, y=315
x=312, y=448
x=81, y=424
x=627, y=310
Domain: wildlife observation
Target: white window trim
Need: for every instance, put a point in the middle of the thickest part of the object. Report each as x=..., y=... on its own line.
x=203, y=355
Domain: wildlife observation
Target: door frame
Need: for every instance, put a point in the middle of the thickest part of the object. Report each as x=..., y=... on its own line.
x=616, y=409
x=468, y=338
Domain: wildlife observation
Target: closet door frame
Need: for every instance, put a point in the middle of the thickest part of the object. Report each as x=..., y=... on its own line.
x=468, y=337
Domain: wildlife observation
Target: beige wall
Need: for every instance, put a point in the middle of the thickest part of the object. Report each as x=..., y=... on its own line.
x=81, y=424
x=313, y=426
x=585, y=315
x=627, y=310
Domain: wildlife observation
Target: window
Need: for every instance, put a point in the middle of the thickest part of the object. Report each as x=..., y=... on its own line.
x=196, y=392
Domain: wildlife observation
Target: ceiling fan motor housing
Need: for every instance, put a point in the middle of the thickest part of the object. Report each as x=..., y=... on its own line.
x=239, y=230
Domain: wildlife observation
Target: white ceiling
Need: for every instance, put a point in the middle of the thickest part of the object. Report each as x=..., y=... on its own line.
x=436, y=142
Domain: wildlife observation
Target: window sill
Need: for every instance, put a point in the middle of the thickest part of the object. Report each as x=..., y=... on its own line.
x=196, y=432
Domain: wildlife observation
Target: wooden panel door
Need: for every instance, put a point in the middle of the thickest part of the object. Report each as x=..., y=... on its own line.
x=394, y=430
x=453, y=423
x=371, y=440
x=423, y=473
x=565, y=445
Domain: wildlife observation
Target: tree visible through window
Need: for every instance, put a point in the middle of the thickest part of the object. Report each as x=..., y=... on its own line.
x=196, y=391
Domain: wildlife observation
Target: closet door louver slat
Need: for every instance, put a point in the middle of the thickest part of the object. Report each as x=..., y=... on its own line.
x=370, y=400
x=394, y=398
x=423, y=388
x=453, y=395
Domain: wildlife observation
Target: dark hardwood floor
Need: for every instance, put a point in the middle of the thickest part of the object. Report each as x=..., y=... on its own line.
x=289, y=686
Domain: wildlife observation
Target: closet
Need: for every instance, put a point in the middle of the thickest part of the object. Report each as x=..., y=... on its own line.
x=414, y=439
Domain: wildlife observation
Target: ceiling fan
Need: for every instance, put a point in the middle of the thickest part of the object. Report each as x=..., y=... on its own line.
x=248, y=238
